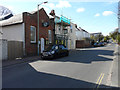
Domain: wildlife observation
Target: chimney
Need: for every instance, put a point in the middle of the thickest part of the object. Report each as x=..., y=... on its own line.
x=52, y=13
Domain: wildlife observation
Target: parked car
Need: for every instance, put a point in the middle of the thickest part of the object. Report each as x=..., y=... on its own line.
x=105, y=43
x=100, y=44
x=96, y=44
x=55, y=51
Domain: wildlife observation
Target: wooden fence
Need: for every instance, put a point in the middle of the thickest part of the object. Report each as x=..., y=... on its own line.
x=15, y=49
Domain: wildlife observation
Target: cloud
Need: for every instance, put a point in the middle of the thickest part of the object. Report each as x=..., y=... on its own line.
x=80, y=10
x=51, y=5
x=106, y=13
x=97, y=15
x=63, y=4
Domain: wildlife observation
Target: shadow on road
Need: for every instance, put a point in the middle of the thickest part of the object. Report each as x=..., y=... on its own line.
x=87, y=56
x=28, y=77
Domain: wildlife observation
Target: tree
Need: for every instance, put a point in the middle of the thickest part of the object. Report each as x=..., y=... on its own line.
x=115, y=35
x=97, y=37
x=106, y=38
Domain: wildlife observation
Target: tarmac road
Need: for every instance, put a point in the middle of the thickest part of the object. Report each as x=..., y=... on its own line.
x=83, y=68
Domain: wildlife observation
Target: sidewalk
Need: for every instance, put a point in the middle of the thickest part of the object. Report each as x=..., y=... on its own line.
x=6, y=63
x=115, y=79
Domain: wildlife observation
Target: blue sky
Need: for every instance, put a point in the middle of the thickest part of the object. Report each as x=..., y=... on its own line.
x=91, y=16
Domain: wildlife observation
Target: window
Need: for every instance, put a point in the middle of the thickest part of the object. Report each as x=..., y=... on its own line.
x=59, y=27
x=61, y=47
x=49, y=36
x=33, y=34
x=71, y=29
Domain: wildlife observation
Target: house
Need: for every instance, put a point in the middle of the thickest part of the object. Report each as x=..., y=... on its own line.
x=96, y=34
x=72, y=36
x=21, y=32
x=77, y=35
x=61, y=30
x=67, y=32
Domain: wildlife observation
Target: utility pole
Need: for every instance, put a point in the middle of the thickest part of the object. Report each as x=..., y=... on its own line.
x=38, y=24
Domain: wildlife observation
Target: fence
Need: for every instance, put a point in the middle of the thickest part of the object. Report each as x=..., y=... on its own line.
x=15, y=49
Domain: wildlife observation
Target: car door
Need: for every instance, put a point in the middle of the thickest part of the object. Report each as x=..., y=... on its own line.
x=57, y=52
x=61, y=50
x=64, y=50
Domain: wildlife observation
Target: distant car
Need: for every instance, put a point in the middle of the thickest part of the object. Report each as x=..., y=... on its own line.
x=96, y=44
x=100, y=44
x=55, y=51
x=105, y=43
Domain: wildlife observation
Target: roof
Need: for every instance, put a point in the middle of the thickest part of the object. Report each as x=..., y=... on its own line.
x=96, y=33
x=16, y=19
x=13, y=20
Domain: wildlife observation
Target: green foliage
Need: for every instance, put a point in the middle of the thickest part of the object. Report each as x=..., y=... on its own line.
x=106, y=38
x=118, y=38
x=97, y=38
x=115, y=35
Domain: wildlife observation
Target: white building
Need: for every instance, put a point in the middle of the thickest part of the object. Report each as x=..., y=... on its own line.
x=74, y=34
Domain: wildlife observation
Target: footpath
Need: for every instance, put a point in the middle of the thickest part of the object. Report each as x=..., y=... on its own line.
x=6, y=63
x=115, y=78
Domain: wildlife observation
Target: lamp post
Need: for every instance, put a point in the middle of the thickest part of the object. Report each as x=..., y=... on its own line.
x=38, y=23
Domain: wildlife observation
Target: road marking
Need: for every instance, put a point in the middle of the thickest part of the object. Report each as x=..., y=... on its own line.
x=100, y=79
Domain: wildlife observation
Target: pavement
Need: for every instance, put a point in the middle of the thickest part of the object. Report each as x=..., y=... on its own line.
x=6, y=63
x=115, y=79
x=84, y=68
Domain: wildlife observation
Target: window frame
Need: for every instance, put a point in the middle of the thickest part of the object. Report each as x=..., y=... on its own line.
x=34, y=36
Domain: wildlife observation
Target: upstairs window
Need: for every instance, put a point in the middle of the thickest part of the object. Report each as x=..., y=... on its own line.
x=33, y=34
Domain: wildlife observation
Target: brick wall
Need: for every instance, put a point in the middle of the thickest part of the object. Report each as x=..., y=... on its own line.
x=82, y=44
x=31, y=20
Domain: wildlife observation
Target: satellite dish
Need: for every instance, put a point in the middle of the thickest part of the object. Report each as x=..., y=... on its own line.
x=5, y=13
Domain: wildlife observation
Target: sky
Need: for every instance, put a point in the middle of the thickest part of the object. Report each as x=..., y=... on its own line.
x=91, y=15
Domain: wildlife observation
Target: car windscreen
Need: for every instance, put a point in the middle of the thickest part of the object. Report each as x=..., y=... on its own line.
x=51, y=48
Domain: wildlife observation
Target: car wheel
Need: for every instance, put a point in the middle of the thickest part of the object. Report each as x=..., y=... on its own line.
x=42, y=57
x=67, y=54
x=52, y=57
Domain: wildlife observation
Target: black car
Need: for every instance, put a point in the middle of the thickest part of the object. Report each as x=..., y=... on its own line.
x=55, y=51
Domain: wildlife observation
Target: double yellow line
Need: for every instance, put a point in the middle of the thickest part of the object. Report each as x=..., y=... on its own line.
x=100, y=79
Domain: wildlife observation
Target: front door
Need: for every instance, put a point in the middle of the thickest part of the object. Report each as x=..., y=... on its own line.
x=42, y=45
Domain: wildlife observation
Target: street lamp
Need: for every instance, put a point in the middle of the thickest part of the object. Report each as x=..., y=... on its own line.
x=38, y=22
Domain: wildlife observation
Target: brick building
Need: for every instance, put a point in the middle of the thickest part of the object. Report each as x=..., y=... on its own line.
x=30, y=21
x=21, y=33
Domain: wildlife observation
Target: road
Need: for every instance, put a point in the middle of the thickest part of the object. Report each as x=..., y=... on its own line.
x=83, y=68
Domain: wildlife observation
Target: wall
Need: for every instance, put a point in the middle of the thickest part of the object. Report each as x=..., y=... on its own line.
x=3, y=49
x=13, y=32
x=82, y=44
x=79, y=35
x=72, y=37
